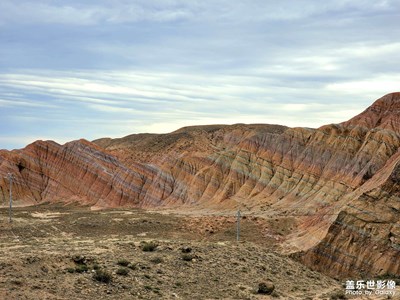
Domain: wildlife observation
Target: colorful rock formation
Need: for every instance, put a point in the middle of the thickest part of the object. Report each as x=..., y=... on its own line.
x=338, y=184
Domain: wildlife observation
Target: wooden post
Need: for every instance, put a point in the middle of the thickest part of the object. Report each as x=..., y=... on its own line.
x=238, y=226
x=10, y=178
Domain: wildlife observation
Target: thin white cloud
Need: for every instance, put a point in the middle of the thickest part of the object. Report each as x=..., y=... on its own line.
x=120, y=67
x=189, y=98
x=116, y=12
x=77, y=13
x=112, y=109
x=35, y=12
x=19, y=103
x=92, y=86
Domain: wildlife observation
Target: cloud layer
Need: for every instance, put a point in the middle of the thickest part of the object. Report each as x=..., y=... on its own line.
x=111, y=68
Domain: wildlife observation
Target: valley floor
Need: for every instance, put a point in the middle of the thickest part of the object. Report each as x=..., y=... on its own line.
x=54, y=252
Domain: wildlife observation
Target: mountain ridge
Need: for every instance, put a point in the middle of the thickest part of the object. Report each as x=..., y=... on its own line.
x=325, y=183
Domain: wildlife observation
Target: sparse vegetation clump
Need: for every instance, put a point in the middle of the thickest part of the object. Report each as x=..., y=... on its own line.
x=83, y=264
x=186, y=249
x=132, y=266
x=123, y=262
x=81, y=268
x=102, y=276
x=157, y=260
x=79, y=259
x=187, y=256
x=80, y=264
x=122, y=271
x=149, y=246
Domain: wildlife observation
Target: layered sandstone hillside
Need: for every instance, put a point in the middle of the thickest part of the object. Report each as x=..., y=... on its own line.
x=364, y=238
x=336, y=188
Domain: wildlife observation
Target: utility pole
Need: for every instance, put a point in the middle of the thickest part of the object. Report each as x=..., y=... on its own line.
x=10, y=179
x=238, y=226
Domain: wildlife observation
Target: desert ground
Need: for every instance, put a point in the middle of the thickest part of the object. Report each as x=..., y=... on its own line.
x=72, y=252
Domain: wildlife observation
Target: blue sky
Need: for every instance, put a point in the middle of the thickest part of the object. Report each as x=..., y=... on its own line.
x=91, y=69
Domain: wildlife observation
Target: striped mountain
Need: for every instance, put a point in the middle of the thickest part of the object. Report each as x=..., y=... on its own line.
x=338, y=185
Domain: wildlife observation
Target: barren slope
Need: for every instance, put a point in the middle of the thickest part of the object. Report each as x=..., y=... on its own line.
x=52, y=252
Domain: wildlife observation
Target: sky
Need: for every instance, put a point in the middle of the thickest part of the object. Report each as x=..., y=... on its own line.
x=109, y=68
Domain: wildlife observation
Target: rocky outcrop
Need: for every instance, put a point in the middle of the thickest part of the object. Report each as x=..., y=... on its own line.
x=339, y=183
